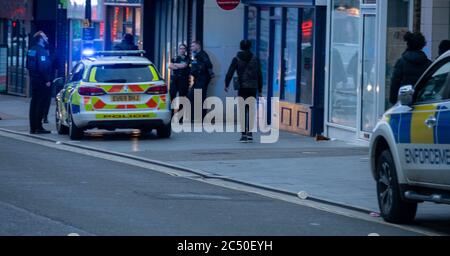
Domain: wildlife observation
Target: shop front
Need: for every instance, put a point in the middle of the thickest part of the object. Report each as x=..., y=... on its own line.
x=76, y=14
x=364, y=40
x=15, y=26
x=123, y=17
x=289, y=40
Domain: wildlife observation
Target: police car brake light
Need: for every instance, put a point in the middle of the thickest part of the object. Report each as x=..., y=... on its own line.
x=91, y=91
x=158, y=89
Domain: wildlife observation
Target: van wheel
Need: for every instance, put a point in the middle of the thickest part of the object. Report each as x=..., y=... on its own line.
x=60, y=127
x=165, y=131
x=393, y=207
x=75, y=133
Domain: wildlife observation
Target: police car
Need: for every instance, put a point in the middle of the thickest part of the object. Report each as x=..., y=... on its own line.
x=111, y=90
x=410, y=147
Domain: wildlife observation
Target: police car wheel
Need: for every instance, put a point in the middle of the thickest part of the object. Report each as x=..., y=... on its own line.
x=165, y=131
x=60, y=127
x=392, y=206
x=75, y=133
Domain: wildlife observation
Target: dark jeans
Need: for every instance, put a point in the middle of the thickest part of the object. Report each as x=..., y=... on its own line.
x=245, y=94
x=37, y=105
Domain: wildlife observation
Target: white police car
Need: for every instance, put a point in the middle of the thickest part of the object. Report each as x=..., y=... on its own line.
x=410, y=147
x=113, y=90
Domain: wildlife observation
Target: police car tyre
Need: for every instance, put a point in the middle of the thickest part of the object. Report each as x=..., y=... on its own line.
x=60, y=127
x=75, y=133
x=393, y=207
x=165, y=131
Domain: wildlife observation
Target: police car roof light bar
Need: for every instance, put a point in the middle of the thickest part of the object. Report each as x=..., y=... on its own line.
x=120, y=53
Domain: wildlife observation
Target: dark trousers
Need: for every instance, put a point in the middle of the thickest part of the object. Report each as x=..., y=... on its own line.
x=47, y=102
x=199, y=83
x=180, y=86
x=245, y=94
x=37, y=105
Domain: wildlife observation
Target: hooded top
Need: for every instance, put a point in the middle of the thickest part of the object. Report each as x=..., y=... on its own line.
x=245, y=56
x=407, y=71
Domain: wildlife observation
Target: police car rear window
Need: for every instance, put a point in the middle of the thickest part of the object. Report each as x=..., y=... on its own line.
x=123, y=73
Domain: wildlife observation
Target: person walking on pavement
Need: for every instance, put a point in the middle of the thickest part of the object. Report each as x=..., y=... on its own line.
x=39, y=66
x=127, y=44
x=249, y=82
x=410, y=67
x=201, y=69
x=180, y=74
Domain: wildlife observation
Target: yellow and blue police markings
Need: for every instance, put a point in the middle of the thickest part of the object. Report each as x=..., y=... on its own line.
x=421, y=146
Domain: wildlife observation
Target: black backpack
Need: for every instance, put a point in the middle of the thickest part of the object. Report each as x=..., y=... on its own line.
x=249, y=78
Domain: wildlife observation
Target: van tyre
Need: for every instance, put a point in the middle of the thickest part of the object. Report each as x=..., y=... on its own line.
x=393, y=207
x=60, y=127
x=164, y=131
x=75, y=133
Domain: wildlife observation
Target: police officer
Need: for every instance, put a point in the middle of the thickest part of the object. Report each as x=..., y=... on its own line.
x=180, y=74
x=39, y=66
x=201, y=70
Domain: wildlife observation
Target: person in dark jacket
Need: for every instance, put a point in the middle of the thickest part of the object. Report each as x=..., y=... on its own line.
x=201, y=69
x=39, y=65
x=410, y=67
x=127, y=44
x=49, y=92
x=180, y=73
x=444, y=46
x=248, y=68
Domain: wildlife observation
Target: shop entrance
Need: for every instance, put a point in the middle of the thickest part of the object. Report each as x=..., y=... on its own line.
x=123, y=20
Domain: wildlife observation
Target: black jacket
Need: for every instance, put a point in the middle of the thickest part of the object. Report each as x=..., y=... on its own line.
x=126, y=46
x=245, y=56
x=201, y=66
x=40, y=64
x=407, y=71
x=184, y=72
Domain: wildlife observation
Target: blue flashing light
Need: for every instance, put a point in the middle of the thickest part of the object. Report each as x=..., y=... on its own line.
x=88, y=52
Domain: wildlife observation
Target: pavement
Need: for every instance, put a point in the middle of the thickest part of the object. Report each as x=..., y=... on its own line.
x=335, y=171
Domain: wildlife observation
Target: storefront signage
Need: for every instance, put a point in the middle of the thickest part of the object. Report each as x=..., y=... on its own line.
x=124, y=2
x=228, y=5
x=17, y=9
x=281, y=2
x=88, y=34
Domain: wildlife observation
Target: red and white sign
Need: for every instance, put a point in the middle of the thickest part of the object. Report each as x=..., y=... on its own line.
x=228, y=5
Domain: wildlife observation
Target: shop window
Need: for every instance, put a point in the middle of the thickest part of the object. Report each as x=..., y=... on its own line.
x=291, y=54
x=307, y=47
x=264, y=43
x=344, y=53
x=252, y=21
x=398, y=25
x=277, y=48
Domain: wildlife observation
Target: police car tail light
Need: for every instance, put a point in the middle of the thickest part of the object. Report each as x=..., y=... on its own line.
x=91, y=91
x=159, y=89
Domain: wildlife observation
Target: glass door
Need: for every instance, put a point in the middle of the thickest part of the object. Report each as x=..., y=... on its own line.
x=368, y=84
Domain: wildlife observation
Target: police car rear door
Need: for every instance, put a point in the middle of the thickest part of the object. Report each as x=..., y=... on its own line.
x=426, y=157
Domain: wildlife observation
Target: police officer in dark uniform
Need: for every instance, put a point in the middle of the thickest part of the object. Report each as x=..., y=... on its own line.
x=201, y=70
x=180, y=74
x=40, y=68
